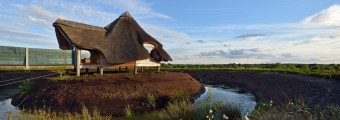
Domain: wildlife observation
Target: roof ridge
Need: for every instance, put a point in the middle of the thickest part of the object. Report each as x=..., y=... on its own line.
x=78, y=24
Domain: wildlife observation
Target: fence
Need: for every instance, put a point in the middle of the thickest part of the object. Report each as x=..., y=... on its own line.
x=18, y=58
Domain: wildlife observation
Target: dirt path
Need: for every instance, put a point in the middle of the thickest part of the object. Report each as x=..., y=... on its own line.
x=278, y=87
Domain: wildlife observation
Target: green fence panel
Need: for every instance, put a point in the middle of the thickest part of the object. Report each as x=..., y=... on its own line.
x=12, y=55
x=40, y=57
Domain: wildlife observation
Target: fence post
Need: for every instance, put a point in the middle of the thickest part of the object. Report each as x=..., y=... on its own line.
x=27, y=59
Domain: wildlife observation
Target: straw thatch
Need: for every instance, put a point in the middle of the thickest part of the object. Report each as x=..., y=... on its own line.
x=120, y=42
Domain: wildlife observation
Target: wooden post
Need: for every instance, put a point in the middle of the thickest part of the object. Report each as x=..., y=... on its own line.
x=119, y=69
x=158, y=68
x=141, y=69
x=98, y=70
x=126, y=69
x=87, y=70
x=135, y=70
x=27, y=59
x=101, y=70
x=78, y=62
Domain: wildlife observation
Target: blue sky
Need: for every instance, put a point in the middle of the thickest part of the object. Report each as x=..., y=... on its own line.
x=194, y=31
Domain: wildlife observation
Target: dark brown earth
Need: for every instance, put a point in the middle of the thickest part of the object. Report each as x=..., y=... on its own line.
x=278, y=87
x=109, y=94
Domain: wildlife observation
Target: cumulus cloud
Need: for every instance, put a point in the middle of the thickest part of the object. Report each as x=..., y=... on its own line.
x=329, y=16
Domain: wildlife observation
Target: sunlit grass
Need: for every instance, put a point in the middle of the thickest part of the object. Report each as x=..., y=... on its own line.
x=294, y=110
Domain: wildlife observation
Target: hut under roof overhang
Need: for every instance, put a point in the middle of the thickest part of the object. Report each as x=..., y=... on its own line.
x=119, y=44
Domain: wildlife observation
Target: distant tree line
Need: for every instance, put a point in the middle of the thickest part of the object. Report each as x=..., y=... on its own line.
x=319, y=70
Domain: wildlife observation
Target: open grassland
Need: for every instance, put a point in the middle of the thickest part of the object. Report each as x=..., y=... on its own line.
x=319, y=70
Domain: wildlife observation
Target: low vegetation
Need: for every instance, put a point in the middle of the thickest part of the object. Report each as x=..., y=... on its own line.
x=25, y=88
x=319, y=70
x=293, y=110
x=182, y=109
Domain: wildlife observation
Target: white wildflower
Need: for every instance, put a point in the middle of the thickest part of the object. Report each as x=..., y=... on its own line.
x=225, y=117
x=290, y=103
x=271, y=103
x=210, y=111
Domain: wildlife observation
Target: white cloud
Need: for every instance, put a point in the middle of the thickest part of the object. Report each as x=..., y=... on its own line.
x=36, y=14
x=138, y=7
x=329, y=16
x=165, y=34
x=39, y=21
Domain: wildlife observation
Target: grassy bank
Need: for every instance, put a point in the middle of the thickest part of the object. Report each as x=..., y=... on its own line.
x=181, y=109
x=293, y=110
x=319, y=70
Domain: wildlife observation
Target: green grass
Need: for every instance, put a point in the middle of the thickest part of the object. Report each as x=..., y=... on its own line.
x=319, y=70
x=47, y=115
x=294, y=110
x=25, y=88
x=183, y=109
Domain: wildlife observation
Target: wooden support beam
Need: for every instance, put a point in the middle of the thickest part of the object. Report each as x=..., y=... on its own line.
x=101, y=71
x=158, y=68
x=142, y=69
x=98, y=70
x=135, y=70
x=87, y=70
x=78, y=62
x=126, y=69
x=119, y=69
x=27, y=62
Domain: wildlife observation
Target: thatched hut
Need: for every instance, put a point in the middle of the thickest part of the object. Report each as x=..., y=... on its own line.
x=119, y=44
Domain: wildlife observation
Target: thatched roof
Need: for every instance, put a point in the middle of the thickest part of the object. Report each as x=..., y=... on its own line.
x=120, y=41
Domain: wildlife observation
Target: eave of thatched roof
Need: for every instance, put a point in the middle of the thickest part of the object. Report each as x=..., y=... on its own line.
x=120, y=41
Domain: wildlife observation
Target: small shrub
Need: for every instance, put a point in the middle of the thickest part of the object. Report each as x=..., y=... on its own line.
x=96, y=74
x=179, y=95
x=25, y=88
x=129, y=77
x=178, y=110
x=128, y=112
x=151, y=101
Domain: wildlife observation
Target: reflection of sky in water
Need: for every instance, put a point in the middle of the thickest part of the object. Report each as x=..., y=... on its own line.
x=245, y=101
x=5, y=102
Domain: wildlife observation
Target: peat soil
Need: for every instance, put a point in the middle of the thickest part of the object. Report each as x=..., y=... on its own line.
x=10, y=79
x=109, y=94
x=278, y=87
